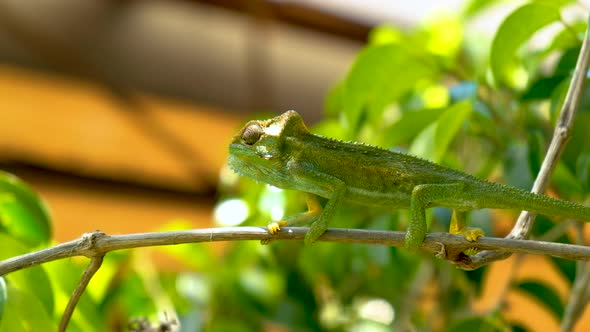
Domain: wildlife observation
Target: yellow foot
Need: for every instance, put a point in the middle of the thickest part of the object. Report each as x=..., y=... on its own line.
x=472, y=234
x=273, y=228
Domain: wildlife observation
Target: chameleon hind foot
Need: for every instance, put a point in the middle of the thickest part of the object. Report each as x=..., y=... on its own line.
x=471, y=234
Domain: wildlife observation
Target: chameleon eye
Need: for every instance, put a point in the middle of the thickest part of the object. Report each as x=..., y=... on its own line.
x=251, y=134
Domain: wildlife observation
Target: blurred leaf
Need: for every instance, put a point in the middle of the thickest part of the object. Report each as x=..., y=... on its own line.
x=567, y=62
x=444, y=35
x=24, y=311
x=448, y=124
x=33, y=278
x=565, y=180
x=198, y=256
x=536, y=150
x=517, y=171
x=570, y=36
x=516, y=29
x=64, y=276
x=3, y=296
x=334, y=102
x=583, y=170
x=409, y=125
x=385, y=34
x=543, y=294
x=473, y=7
x=478, y=323
x=543, y=87
x=380, y=75
x=23, y=214
x=567, y=267
x=434, y=141
x=330, y=128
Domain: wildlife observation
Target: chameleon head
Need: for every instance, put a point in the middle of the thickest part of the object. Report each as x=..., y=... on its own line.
x=259, y=149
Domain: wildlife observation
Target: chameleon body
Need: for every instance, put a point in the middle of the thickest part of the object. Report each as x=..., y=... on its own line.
x=283, y=153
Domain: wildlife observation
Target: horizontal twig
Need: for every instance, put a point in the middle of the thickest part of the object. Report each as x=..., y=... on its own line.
x=443, y=245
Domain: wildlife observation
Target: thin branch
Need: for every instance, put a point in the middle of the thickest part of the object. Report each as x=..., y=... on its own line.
x=576, y=302
x=443, y=245
x=94, y=265
x=561, y=135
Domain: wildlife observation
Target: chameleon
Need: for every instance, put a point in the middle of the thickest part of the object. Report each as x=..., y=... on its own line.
x=282, y=152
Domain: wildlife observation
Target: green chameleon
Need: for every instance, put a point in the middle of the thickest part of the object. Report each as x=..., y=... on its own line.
x=283, y=153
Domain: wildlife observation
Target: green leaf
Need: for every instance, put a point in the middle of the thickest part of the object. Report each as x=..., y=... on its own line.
x=487, y=324
x=333, y=104
x=566, y=182
x=475, y=6
x=447, y=127
x=23, y=213
x=583, y=170
x=514, y=31
x=196, y=255
x=3, y=296
x=33, y=278
x=516, y=168
x=25, y=312
x=543, y=87
x=380, y=75
x=544, y=294
x=433, y=142
x=409, y=125
x=536, y=150
x=570, y=36
x=65, y=276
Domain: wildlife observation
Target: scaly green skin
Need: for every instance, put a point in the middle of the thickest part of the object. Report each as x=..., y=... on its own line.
x=282, y=152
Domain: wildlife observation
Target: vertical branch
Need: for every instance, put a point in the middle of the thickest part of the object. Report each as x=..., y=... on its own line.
x=94, y=265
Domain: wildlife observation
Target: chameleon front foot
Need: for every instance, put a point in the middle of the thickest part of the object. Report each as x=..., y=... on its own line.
x=273, y=228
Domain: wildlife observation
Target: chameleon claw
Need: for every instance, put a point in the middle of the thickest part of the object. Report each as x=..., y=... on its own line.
x=472, y=234
x=471, y=251
x=275, y=227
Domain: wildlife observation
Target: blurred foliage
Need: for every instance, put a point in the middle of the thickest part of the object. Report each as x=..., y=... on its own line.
x=482, y=104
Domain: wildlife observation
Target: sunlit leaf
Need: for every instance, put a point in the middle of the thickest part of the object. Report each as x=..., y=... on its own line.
x=198, y=256
x=25, y=311
x=32, y=278
x=23, y=213
x=570, y=36
x=334, y=103
x=448, y=124
x=380, y=75
x=474, y=7
x=409, y=125
x=432, y=143
x=543, y=294
x=516, y=29
x=385, y=34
